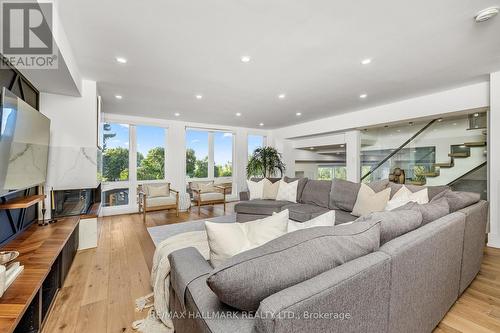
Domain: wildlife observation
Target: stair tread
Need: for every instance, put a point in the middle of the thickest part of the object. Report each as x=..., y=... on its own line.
x=445, y=165
x=415, y=182
x=475, y=144
x=458, y=154
x=431, y=174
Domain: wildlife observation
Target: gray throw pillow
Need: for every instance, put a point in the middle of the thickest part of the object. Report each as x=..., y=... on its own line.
x=244, y=280
x=317, y=192
x=300, y=186
x=430, y=211
x=344, y=193
x=458, y=200
x=394, y=223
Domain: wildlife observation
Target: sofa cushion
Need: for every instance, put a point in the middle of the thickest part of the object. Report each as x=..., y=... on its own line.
x=432, y=190
x=304, y=212
x=300, y=187
x=246, y=279
x=228, y=239
x=458, y=200
x=430, y=211
x=260, y=207
x=341, y=216
x=369, y=201
x=324, y=220
x=317, y=192
x=343, y=193
x=394, y=224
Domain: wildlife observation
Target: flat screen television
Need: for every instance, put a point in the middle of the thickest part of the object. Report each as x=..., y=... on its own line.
x=24, y=144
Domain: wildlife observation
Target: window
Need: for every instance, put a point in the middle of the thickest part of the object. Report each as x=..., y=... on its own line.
x=254, y=142
x=332, y=172
x=115, y=152
x=115, y=197
x=150, y=153
x=223, y=154
x=196, y=154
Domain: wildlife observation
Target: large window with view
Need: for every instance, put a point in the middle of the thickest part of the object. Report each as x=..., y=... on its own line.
x=150, y=153
x=254, y=142
x=223, y=154
x=115, y=152
x=196, y=154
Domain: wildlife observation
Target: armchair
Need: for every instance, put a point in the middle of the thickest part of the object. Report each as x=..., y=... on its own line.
x=158, y=196
x=207, y=193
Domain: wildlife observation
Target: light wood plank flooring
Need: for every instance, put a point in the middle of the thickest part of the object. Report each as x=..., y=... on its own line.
x=99, y=293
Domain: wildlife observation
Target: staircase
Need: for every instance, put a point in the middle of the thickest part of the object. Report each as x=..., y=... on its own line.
x=463, y=159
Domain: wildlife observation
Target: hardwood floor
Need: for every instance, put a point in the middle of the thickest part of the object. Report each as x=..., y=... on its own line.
x=103, y=283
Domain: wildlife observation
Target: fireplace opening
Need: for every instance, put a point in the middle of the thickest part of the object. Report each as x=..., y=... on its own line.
x=75, y=202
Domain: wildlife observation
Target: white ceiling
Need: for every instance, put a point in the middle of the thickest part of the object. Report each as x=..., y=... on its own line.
x=309, y=50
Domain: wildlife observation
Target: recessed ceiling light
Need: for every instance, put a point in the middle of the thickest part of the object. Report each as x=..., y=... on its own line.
x=476, y=115
x=118, y=96
x=312, y=148
x=486, y=14
x=281, y=96
x=342, y=146
x=177, y=114
x=455, y=124
x=440, y=119
x=199, y=96
x=261, y=124
x=398, y=130
x=238, y=114
x=366, y=61
x=298, y=114
x=245, y=59
x=363, y=96
x=121, y=60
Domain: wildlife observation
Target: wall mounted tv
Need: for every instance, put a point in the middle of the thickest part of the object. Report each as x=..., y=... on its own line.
x=24, y=144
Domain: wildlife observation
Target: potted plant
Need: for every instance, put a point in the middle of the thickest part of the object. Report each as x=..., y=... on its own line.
x=265, y=162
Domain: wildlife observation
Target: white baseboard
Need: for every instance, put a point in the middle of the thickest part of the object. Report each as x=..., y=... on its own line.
x=494, y=240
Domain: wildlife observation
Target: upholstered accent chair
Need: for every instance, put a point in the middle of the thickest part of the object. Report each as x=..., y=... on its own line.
x=157, y=196
x=208, y=193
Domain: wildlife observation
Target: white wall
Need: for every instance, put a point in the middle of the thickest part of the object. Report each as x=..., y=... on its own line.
x=494, y=161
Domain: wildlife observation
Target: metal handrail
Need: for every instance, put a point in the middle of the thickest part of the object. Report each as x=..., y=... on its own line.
x=400, y=148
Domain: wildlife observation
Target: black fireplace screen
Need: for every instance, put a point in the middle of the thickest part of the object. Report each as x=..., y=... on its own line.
x=74, y=202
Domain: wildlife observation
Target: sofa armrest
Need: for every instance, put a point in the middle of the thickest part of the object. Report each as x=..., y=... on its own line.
x=353, y=297
x=244, y=196
x=186, y=265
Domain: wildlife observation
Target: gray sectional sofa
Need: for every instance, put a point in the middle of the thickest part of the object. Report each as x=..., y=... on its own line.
x=405, y=285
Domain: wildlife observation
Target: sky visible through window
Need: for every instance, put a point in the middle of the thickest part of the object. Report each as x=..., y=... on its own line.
x=223, y=142
x=121, y=137
x=254, y=142
x=149, y=137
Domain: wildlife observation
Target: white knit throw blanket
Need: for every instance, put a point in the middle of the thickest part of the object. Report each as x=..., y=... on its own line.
x=160, y=280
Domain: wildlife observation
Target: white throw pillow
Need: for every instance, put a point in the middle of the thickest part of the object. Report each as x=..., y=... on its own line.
x=228, y=239
x=287, y=191
x=256, y=189
x=369, y=201
x=270, y=189
x=404, y=196
x=324, y=220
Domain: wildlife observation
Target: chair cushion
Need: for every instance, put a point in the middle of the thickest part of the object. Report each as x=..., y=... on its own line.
x=260, y=207
x=304, y=212
x=317, y=192
x=394, y=224
x=156, y=190
x=160, y=201
x=246, y=279
x=430, y=211
x=211, y=196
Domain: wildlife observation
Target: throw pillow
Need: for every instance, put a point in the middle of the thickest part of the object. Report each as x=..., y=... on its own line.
x=404, y=195
x=300, y=187
x=394, y=224
x=248, y=278
x=287, y=191
x=154, y=191
x=368, y=201
x=270, y=190
x=431, y=211
x=256, y=189
x=458, y=199
x=228, y=239
x=324, y=220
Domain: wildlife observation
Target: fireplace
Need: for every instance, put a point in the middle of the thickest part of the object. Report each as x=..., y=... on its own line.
x=75, y=202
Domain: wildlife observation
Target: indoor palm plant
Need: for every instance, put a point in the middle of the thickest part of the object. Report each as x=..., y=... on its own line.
x=265, y=162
